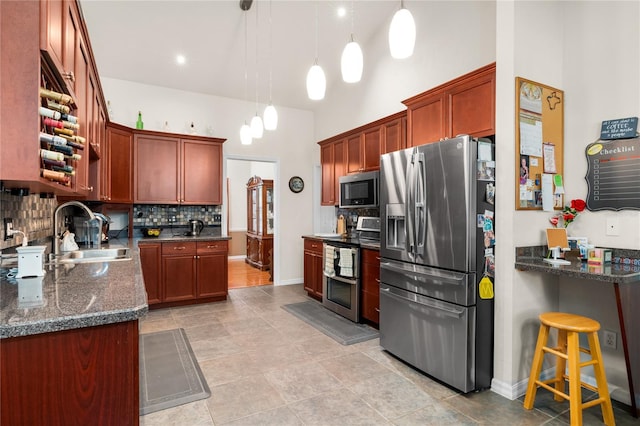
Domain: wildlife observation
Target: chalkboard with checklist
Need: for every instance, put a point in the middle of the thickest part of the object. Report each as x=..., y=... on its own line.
x=613, y=175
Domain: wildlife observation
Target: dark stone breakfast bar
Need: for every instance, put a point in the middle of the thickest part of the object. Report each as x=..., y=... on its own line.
x=624, y=274
x=69, y=343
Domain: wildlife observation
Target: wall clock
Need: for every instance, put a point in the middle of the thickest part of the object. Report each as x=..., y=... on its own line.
x=296, y=184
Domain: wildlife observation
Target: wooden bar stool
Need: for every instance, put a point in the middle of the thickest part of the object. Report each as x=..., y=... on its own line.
x=568, y=350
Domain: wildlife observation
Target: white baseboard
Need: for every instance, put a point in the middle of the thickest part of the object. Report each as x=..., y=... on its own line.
x=240, y=256
x=289, y=282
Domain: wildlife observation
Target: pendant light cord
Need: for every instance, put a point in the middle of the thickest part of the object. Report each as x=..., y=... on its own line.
x=316, y=33
x=245, y=56
x=256, y=58
x=270, y=56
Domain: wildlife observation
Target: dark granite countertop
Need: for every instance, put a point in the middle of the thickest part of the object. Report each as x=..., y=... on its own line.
x=625, y=268
x=169, y=235
x=353, y=241
x=74, y=296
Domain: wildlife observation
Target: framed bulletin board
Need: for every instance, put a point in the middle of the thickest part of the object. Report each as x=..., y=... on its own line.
x=539, y=146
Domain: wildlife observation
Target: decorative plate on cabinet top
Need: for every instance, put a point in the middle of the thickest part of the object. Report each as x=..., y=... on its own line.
x=296, y=184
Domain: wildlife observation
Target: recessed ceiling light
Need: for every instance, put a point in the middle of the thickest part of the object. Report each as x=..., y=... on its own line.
x=181, y=60
x=342, y=12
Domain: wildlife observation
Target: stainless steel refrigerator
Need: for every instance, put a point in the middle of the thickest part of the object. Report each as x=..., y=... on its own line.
x=434, y=239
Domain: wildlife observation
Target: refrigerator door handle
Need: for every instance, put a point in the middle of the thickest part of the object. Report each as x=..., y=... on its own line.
x=424, y=301
x=420, y=200
x=409, y=217
x=440, y=276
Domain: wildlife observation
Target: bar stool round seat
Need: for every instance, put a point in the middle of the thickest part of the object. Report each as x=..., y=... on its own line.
x=568, y=351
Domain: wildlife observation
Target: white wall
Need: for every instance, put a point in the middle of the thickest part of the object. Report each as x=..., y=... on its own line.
x=571, y=46
x=453, y=38
x=292, y=146
x=238, y=174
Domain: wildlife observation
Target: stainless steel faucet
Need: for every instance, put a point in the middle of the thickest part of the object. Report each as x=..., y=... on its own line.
x=56, y=231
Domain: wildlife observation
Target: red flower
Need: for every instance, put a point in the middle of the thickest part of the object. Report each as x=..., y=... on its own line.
x=568, y=216
x=578, y=205
x=554, y=220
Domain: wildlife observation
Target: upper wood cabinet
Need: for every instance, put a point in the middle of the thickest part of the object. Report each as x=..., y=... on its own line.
x=332, y=160
x=358, y=150
x=176, y=169
x=465, y=105
x=112, y=175
x=45, y=44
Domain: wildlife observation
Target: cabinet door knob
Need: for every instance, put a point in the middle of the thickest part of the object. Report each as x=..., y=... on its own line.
x=376, y=309
x=378, y=280
x=69, y=76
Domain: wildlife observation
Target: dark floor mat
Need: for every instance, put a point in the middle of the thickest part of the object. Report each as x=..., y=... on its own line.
x=333, y=325
x=169, y=372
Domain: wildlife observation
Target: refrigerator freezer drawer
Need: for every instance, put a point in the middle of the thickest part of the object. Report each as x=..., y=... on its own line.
x=450, y=286
x=433, y=336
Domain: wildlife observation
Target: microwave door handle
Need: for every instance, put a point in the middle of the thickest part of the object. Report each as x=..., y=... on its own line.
x=420, y=205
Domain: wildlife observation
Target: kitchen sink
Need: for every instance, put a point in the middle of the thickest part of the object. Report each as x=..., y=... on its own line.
x=94, y=255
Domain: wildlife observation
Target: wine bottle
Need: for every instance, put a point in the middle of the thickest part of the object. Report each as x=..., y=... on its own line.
x=53, y=163
x=64, y=149
x=64, y=109
x=55, y=176
x=68, y=170
x=67, y=132
x=74, y=157
x=53, y=123
x=52, y=139
x=46, y=112
x=75, y=145
x=139, y=123
x=51, y=155
x=69, y=118
x=59, y=97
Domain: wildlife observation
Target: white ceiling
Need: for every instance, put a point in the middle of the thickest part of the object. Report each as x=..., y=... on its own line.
x=139, y=40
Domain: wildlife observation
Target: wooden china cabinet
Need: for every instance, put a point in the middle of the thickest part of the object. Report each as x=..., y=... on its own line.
x=259, y=222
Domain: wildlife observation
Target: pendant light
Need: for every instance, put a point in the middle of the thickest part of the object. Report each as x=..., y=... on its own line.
x=351, y=63
x=257, y=127
x=316, y=81
x=245, y=130
x=270, y=114
x=402, y=33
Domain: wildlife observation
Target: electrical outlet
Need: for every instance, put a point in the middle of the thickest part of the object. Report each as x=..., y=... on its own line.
x=8, y=228
x=610, y=339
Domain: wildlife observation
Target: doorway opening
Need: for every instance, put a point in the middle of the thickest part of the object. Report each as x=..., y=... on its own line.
x=252, y=253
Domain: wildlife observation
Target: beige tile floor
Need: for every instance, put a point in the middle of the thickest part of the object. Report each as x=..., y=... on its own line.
x=266, y=367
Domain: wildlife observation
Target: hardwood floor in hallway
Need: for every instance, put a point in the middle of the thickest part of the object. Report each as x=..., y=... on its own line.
x=243, y=275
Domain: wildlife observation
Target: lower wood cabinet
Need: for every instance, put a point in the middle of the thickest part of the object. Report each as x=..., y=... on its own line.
x=184, y=272
x=259, y=251
x=370, y=307
x=83, y=376
x=313, y=267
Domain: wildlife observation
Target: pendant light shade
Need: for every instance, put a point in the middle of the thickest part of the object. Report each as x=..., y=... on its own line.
x=402, y=34
x=352, y=62
x=316, y=83
x=270, y=118
x=257, y=129
x=245, y=134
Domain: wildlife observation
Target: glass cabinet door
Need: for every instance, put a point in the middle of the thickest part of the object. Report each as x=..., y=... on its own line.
x=269, y=209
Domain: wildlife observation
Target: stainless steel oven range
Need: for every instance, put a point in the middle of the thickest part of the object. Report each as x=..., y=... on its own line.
x=341, y=280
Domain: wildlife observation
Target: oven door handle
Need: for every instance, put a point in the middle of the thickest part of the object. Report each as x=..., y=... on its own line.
x=344, y=280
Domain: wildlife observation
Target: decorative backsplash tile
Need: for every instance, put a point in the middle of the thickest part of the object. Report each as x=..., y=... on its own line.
x=30, y=213
x=164, y=215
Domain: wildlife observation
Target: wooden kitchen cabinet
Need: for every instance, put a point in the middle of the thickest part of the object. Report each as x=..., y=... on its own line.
x=176, y=169
x=184, y=272
x=332, y=160
x=45, y=44
x=363, y=151
x=212, y=275
x=465, y=105
x=313, y=267
x=178, y=271
x=394, y=135
x=150, y=262
x=112, y=174
x=370, y=307
x=82, y=376
x=260, y=222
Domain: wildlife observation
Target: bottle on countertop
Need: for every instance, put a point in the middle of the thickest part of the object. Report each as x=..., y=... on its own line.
x=139, y=123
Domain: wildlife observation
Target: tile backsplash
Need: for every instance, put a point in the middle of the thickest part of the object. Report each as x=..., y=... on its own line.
x=30, y=213
x=164, y=215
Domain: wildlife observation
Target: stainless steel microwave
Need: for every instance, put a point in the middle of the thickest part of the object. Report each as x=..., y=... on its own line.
x=359, y=190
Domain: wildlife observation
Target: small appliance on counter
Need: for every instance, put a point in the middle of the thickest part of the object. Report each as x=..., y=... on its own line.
x=195, y=227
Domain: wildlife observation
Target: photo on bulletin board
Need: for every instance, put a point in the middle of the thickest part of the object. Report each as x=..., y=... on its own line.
x=539, y=143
